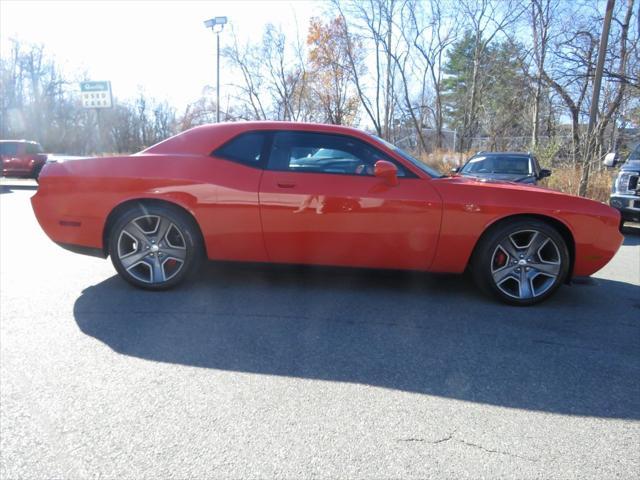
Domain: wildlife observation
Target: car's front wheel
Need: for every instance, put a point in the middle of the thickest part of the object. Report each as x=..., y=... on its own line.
x=521, y=262
x=154, y=246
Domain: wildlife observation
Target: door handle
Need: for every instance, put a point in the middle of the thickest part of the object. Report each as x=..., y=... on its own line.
x=286, y=185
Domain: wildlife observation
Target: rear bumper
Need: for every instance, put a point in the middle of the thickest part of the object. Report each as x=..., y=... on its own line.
x=91, y=251
x=27, y=171
x=18, y=173
x=71, y=232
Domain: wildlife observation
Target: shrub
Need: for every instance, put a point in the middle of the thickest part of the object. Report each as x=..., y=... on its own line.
x=566, y=178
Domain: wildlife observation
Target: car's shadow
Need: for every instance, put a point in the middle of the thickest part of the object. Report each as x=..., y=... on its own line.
x=578, y=353
x=10, y=188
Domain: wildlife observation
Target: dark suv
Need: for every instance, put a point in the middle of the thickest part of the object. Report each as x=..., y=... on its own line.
x=504, y=166
x=625, y=194
x=21, y=158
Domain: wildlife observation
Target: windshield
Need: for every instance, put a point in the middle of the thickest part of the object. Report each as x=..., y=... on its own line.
x=414, y=161
x=506, y=164
x=635, y=155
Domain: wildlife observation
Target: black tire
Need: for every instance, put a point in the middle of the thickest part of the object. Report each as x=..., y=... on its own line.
x=36, y=173
x=135, y=250
x=531, y=275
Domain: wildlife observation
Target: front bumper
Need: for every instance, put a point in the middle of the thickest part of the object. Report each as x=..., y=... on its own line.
x=628, y=205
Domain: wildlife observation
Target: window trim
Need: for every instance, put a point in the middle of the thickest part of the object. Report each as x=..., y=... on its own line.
x=410, y=174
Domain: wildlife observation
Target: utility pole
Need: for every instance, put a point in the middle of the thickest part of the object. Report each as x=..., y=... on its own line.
x=595, y=99
x=218, y=76
x=99, y=130
x=216, y=24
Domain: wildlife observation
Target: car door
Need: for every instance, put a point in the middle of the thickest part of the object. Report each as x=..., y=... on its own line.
x=321, y=204
x=230, y=215
x=21, y=162
x=32, y=156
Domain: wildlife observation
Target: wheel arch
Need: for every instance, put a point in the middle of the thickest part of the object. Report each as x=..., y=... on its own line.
x=559, y=225
x=121, y=207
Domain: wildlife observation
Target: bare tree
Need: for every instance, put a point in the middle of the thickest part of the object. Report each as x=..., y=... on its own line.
x=431, y=31
x=540, y=17
x=569, y=67
x=248, y=60
x=373, y=22
x=284, y=73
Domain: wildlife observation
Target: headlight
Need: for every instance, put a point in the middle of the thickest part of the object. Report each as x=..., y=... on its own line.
x=622, y=184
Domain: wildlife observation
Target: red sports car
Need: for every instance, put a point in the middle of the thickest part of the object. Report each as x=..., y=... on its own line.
x=322, y=195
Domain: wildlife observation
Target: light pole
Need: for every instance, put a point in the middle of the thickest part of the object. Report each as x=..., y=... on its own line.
x=217, y=24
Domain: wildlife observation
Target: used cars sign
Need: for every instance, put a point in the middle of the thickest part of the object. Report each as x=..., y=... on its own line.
x=96, y=94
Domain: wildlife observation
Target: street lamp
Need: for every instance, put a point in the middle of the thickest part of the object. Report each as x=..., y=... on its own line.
x=217, y=24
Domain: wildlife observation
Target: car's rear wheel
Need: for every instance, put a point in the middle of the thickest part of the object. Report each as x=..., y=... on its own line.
x=521, y=262
x=36, y=173
x=155, y=246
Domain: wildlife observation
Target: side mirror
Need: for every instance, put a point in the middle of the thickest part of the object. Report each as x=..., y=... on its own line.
x=610, y=159
x=455, y=170
x=544, y=173
x=386, y=171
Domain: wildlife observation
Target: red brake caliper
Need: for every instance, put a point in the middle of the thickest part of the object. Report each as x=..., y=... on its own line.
x=500, y=259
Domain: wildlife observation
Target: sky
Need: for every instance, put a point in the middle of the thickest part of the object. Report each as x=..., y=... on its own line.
x=160, y=46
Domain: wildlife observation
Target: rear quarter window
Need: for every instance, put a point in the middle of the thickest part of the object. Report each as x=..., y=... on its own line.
x=246, y=148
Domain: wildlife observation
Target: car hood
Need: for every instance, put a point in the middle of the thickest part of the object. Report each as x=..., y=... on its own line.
x=495, y=181
x=503, y=185
x=522, y=195
x=633, y=165
x=503, y=177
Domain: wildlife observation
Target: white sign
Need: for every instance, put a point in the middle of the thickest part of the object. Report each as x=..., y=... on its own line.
x=96, y=94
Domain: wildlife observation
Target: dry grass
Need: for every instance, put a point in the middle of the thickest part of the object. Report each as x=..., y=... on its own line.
x=443, y=160
x=565, y=178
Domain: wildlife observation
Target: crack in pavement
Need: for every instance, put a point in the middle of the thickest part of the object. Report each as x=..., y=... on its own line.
x=434, y=442
x=450, y=436
x=501, y=452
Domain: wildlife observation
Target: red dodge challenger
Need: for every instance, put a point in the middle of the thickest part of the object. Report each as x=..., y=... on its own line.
x=321, y=195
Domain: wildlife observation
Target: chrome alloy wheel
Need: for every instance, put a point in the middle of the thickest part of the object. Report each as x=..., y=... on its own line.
x=152, y=249
x=526, y=264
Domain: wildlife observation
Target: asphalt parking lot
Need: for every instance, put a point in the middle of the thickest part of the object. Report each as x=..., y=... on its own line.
x=256, y=372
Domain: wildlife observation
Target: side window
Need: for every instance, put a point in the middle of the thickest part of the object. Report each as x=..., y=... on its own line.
x=9, y=149
x=246, y=148
x=324, y=153
x=33, y=148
